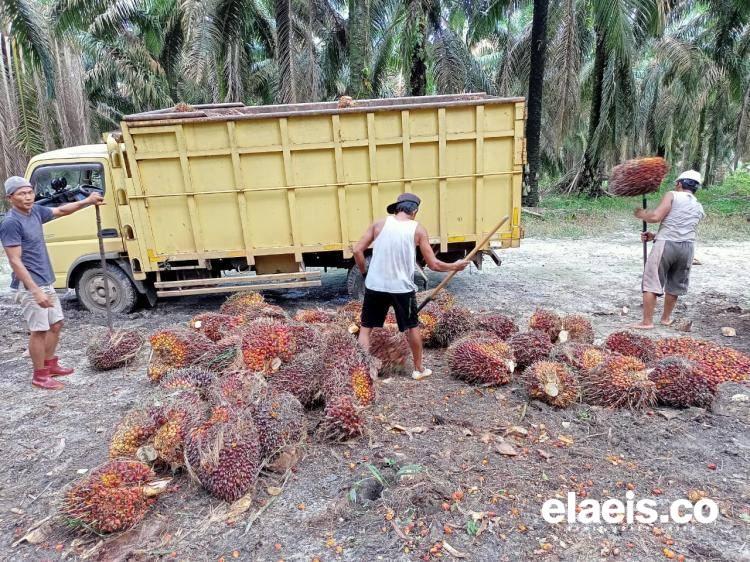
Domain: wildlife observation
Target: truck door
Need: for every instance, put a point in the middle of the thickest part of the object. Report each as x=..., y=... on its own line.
x=72, y=237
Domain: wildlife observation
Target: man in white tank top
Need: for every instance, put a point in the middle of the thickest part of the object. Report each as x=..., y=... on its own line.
x=667, y=270
x=389, y=279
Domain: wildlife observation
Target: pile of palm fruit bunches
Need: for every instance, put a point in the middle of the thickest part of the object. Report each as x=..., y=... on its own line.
x=232, y=388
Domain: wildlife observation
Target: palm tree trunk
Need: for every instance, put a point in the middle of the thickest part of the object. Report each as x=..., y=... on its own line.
x=359, y=23
x=708, y=178
x=741, y=126
x=418, y=63
x=536, y=90
x=591, y=183
x=284, y=52
x=697, y=158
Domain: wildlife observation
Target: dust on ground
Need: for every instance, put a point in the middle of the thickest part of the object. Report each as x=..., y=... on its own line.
x=449, y=449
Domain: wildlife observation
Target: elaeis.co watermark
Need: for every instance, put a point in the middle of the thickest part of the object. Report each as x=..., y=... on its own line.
x=616, y=511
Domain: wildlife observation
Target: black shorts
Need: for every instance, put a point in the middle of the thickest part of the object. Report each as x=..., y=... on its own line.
x=376, y=305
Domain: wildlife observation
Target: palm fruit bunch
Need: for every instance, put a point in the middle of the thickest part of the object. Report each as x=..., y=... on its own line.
x=133, y=431
x=451, y=324
x=225, y=356
x=680, y=383
x=342, y=419
x=481, y=360
x=638, y=176
x=347, y=369
x=314, y=316
x=188, y=378
x=178, y=413
x=428, y=318
x=620, y=381
x=111, y=498
x=238, y=389
x=580, y=356
x=530, y=347
x=239, y=303
x=267, y=344
x=443, y=300
x=215, y=325
x=112, y=350
x=576, y=328
x=280, y=420
x=173, y=348
x=300, y=378
x=307, y=337
x=350, y=316
x=264, y=311
x=391, y=348
x=720, y=364
x=223, y=454
x=553, y=383
x=546, y=321
x=499, y=324
x=633, y=345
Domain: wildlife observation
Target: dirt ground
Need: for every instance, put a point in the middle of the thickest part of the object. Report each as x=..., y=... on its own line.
x=437, y=443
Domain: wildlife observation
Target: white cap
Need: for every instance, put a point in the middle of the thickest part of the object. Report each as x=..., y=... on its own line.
x=14, y=183
x=690, y=175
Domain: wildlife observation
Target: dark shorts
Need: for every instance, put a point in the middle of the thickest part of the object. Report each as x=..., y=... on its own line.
x=376, y=304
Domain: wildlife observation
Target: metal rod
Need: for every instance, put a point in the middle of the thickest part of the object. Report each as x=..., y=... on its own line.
x=478, y=247
x=645, y=229
x=107, y=305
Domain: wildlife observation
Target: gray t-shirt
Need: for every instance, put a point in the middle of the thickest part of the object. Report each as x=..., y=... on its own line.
x=18, y=229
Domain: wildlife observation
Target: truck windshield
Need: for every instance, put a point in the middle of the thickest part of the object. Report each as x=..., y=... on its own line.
x=61, y=183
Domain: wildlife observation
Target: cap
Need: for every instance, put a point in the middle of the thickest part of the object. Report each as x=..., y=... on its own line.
x=14, y=183
x=403, y=198
x=690, y=175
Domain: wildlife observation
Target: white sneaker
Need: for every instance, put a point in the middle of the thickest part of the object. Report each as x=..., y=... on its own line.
x=419, y=375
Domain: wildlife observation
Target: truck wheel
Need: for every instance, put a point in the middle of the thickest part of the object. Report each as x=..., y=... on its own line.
x=90, y=290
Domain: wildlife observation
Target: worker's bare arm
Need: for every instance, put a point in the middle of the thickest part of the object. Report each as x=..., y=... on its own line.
x=657, y=214
x=361, y=246
x=423, y=242
x=22, y=274
x=70, y=208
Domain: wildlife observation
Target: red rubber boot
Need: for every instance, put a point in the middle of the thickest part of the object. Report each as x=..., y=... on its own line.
x=42, y=379
x=55, y=369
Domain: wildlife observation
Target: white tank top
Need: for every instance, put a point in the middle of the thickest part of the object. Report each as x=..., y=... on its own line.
x=680, y=223
x=394, y=255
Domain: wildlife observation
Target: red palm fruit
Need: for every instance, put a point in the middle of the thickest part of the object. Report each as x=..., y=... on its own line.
x=300, y=378
x=720, y=364
x=315, y=316
x=391, y=348
x=264, y=311
x=280, y=420
x=502, y=326
x=177, y=347
x=347, y=368
x=553, y=383
x=308, y=337
x=176, y=415
x=111, y=498
x=680, y=383
x=188, y=378
x=110, y=351
x=546, y=321
x=530, y=347
x=133, y=431
x=349, y=316
x=238, y=389
x=224, y=455
x=633, y=345
x=580, y=356
x=238, y=303
x=451, y=324
x=214, y=325
x=576, y=328
x=481, y=360
x=342, y=419
x=638, y=176
x=443, y=300
x=620, y=381
x=267, y=344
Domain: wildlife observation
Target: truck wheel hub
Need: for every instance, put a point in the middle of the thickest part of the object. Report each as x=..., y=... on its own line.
x=97, y=292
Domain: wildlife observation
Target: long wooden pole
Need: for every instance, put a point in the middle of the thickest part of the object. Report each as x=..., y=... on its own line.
x=645, y=229
x=107, y=304
x=478, y=247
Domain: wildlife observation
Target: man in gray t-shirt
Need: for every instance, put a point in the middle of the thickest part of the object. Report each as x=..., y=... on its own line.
x=33, y=278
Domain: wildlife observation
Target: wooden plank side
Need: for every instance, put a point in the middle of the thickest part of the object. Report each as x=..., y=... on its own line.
x=189, y=190
x=479, y=165
x=215, y=290
x=341, y=189
x=442, y=171
x=239, y=185
x=406, y=149
x=240, y=279
x=291, y=196
x=372, y=152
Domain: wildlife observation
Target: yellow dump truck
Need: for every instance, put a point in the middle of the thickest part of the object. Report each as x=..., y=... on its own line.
x=225, y=197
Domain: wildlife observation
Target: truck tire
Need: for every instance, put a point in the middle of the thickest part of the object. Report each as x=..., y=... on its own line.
x=90, y=290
